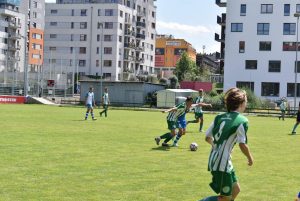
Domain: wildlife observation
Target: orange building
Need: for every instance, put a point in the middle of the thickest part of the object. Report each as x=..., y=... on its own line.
x=168, y=51
x=36, y=46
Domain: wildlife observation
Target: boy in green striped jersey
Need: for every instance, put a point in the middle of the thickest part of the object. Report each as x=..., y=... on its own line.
x=226, y=130
x=199, y=111
x=172, y=118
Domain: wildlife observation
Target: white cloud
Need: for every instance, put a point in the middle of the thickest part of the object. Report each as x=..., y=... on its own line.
x=198, y=36
x=192, y=30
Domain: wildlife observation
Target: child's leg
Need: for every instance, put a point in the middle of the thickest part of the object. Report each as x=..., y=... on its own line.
x=235, y=190
x=201, y=124
x=178, y=136
x=172, y=134
x=295, y=127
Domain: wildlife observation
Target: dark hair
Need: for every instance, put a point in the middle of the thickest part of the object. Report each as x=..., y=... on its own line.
x=200, y=90
x=189, y=98
x=233, y=98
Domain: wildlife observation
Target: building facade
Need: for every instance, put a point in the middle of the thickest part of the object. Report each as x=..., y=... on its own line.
x=113, y=38
x=168, y=51
x=12, y=41
x=261, y=44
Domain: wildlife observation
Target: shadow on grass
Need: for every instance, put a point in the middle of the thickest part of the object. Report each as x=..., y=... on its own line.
x=292, y=134
x=160, y=148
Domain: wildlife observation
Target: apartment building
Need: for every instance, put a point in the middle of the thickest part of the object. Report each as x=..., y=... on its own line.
x=112, y=38
x=168, y=51
x=12, y=40
x=261, y=44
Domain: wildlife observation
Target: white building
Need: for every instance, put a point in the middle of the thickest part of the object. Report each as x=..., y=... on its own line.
x=260, y=50
x=12, y=41
x=117, y=35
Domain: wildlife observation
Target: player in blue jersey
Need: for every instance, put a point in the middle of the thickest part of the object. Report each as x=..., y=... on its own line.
x=226, y=130
x=90, y=102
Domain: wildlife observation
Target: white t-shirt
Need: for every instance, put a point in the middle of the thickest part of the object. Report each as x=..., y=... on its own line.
x=105, y=98
x=90, y=98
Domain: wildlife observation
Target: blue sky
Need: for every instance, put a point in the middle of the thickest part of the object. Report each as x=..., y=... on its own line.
x=193, y=20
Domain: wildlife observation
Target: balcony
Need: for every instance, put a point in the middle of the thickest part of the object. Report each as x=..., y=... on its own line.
x=14, y=59
x=217, y=38
x=139, y=60
x=141, y=24
x=140, y=36
x=128, y=21
x=140, y=49
x=221, y=20
x=14, y=36
x=129, y=45
x=14, y=25
x=129, y=33
x=14, y=47
x=141, y=14
x=220, y=3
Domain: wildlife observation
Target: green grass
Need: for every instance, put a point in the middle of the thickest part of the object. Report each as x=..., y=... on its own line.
x=49, y=153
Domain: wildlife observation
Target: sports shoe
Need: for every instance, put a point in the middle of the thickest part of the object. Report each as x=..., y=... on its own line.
x=165, y=144
x=94, y=119
x=174, y=145
x=201, y=130
x=100, y=114
x=293, y=133
x=157, y=140
x=85, y=118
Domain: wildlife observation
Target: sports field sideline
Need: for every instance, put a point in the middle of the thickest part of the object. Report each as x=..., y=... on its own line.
x=51, y=153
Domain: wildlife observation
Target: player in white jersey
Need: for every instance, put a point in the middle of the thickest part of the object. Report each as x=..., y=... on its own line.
x=105, y=102
x=90, y=102
x=226, y=130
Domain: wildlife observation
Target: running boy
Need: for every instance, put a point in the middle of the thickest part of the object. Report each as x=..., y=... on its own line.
x=199, y=111
x=297, y=122
x=226, y=130
x=90, y=102
x=172, y=119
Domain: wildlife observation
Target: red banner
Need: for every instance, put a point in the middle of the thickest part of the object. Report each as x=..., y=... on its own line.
x=12, y=99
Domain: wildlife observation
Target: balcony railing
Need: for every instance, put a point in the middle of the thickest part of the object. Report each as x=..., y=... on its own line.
x=221, y=20
x=141, y=14
x=140, y=36
x=141, y=24
x=14, y=25
x=14, y=36
x=217, y=38
x=221, y=3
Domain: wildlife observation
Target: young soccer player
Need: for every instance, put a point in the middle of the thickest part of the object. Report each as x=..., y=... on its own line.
x=297, y=122
x=181, y=125
x=282, y=107
x=172, y=119
x=226, y=130
x=105, y=102
x=90, y=102
x=199, y=111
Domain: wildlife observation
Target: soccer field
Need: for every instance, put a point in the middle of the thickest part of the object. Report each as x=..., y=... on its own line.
x=51, y=153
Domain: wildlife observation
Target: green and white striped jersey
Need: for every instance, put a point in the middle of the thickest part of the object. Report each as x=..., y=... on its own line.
x=181, y=109
x=198, y=109
x=226, y=130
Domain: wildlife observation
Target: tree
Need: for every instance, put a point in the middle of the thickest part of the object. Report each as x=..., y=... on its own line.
x=185, y=65
x=173, y=82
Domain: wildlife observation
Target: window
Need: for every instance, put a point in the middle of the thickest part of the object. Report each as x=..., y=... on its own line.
x=82, y=50
x=83, y=25
x=248, y=85
x=35, y=56
x=72, y=25
x=121, y=26
x=35, y=4
x=121, y=13
x=265, y=45
x=108, y=25
x=83, y=37
x=53, y=23
x=298, y=67
x=83, y=12
x=120, y=39
x=266, y=8
x=251, y=64
x=98, y=37
x=298, y=8
x=108, y=37
x=290, y=46
x=109, y=12
x=107, y=63
x=289, y=28
x=153, y=14
x=71, y=50
x=152, y=36
x=287, y=9
x=52, y=48
x=263, y=28
x=81, y=63
x=99, y=25
x=99, y=12
x=97, y=63
x=270, y=89
x=153, y=25
x=275, y=66
x=53, y=11
x=73, y=12
x=97, y=50
x=291, y=90
x=36, y=46
x=241, y=46
x=34, y=14
x=243, y=10
x=120, y=64
x=236, y=27
x=34, y=24
x=53, y=35
x=107, y=50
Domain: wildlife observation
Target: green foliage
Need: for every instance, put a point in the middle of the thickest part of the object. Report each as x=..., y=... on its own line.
x=253, y=100
x=49, y=153
x=163, y=81
x=184, y=65
x=174, y=84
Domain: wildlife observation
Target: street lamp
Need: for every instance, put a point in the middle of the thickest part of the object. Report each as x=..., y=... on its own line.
x=297, y=15
x=101, y=63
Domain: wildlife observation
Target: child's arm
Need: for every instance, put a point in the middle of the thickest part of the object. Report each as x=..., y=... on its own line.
x=204, y=104
x=246, y=151
x=169, y=110
x=209, y=140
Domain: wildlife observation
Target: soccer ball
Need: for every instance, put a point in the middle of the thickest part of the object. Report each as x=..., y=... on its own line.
x=194, y=146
